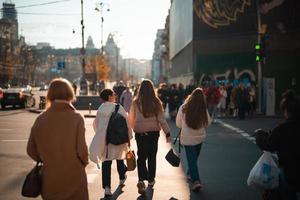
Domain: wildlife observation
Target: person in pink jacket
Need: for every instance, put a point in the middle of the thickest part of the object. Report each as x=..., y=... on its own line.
x=146, y=117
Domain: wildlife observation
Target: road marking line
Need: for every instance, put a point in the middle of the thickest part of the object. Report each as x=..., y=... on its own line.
x=240, y=131
x=6, y=129
x=14, y=140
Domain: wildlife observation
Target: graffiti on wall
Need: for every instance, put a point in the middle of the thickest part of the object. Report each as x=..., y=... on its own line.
x=217, y=13
x=237, y=74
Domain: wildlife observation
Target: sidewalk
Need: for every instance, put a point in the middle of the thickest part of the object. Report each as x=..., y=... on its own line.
x=170, y=183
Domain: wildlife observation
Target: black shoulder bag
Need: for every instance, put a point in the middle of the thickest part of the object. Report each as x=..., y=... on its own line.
x=172, y=157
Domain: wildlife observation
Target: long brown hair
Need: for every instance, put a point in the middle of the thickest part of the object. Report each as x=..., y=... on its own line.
x=195, y=110
x=147, y=101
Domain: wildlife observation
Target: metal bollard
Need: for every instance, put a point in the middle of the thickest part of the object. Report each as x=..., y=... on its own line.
x=42, y=103
x=90, y=105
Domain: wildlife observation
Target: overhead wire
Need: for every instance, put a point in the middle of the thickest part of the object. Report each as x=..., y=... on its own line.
x=46, y=14
x=49, y=14
x=42, y=4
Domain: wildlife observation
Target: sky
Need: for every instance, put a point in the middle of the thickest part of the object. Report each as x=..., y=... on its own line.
x=133, y=22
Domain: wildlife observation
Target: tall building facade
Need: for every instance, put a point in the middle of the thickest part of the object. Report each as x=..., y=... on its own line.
x=216, y=40
x=112, y=53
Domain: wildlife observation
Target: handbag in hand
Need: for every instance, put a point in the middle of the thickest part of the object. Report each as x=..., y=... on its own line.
x=171, y=157
x=32, y=185
x=130, y=160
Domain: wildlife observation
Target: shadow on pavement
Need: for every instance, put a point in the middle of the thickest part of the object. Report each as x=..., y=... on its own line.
x=148, y=195
x=115, y=195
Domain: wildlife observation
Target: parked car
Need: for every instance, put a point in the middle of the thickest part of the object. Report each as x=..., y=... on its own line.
x=1, y=93
x=17, y=97
x=44, y=87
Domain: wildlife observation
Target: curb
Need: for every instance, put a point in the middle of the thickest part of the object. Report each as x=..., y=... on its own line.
x=38, y=111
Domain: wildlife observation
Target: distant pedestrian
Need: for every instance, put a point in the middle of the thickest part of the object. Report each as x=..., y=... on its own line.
x=222, y=102
x=100, y=150
x=74, y=88
x=284, y=140
x=163, y=94
x=213, y=98
x=146, y=118
x=189, y=88
x=173, y=101
x=57, y=139
x=242, y=100
x=193, y=119
x=126, y=99
x=252, y=99
x=118, y=89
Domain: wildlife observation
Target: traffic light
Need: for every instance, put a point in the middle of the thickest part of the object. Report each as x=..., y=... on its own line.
x=257, y=52
x=260, y=49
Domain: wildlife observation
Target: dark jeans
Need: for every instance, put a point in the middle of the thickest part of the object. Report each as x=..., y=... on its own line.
x=146, y=150
x=241, y=111
x=192, y=153
x=106, y=172
x=287, y=192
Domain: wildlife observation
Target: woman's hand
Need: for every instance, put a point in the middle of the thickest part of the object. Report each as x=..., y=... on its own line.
x=168, y=139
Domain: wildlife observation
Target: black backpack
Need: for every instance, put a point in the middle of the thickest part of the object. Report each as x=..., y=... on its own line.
x=117, y=129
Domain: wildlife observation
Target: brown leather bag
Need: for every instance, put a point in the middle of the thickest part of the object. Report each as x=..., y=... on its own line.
x=32, y=185
x=130, y=160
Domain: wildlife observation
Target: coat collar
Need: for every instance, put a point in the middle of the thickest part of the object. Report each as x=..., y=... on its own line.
x=61, y=105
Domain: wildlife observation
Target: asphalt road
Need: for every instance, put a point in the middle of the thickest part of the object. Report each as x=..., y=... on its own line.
x=225, y=162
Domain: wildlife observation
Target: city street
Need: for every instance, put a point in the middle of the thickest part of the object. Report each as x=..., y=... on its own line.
x=225, y=161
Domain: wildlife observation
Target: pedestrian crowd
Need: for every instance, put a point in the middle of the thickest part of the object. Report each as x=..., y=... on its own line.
x=58, y=134
x=222, y=99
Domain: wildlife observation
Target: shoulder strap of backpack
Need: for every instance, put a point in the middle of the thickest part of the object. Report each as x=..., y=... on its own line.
x=117, y=108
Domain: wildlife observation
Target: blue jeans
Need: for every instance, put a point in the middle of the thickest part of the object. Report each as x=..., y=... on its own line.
x=192, y=153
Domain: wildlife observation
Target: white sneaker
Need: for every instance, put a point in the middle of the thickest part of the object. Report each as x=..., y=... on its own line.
x=122, y=181
x=107, y=191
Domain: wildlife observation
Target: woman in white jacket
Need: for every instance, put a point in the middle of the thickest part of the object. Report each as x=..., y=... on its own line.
x=99, y=150
x=193, y=119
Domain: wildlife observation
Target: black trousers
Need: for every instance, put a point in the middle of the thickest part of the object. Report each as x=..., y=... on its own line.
x=106, y=172
x=147, y=144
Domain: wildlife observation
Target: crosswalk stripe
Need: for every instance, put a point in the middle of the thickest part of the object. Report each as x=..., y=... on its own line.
x=240, y=131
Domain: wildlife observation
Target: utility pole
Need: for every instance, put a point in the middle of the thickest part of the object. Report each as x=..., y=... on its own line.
x=259, y=63
x=83, y=82
x=101, y=10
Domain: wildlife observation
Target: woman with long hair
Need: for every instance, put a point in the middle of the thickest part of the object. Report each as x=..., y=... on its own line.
x=193, y=119
x=57, y=139
x=146, y=117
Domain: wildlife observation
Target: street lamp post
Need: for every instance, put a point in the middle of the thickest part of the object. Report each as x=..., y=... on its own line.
x=83, y=82
x=101, y=10
x=259, y=63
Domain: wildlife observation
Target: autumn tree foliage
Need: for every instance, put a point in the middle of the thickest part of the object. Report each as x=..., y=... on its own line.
x=98, y=64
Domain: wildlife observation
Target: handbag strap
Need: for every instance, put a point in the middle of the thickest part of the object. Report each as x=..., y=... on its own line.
x=178, y=136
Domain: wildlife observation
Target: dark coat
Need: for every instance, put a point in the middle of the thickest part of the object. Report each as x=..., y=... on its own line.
x=284, y=140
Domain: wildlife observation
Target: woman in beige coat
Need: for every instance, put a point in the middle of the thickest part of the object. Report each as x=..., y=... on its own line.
x=57, y=139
